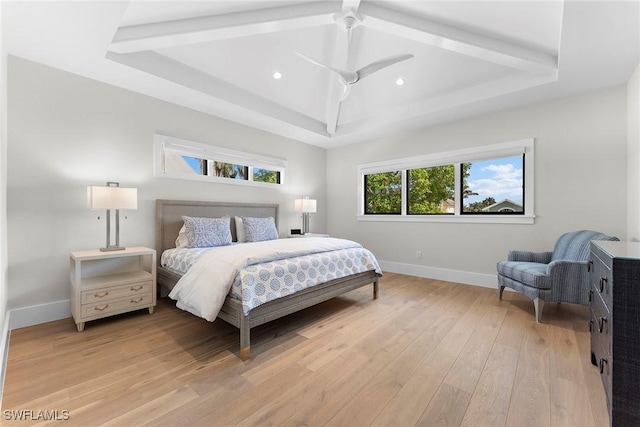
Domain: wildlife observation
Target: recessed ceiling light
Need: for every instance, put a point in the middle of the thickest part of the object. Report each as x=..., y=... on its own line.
x=400, y=81
x=277, y=75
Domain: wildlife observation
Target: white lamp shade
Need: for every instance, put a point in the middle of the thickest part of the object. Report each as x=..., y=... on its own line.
x=104, y=197
x=305, y=205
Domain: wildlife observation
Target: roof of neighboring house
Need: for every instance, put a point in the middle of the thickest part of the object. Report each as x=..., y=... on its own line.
x=503, y=202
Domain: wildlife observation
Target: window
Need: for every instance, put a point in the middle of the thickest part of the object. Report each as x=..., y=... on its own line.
x=266, y=175
x=493, y=186
x=431, y=190
x=185, y=164
x=383, y=193
x=485, y=184
x=179, y=158
x=228, y=170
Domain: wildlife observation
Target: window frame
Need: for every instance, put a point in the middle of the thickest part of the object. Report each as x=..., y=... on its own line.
x=457, y=157
x=163, y=144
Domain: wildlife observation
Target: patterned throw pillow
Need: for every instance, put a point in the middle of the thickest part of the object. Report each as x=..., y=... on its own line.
x=259, y=229
x=207, y=232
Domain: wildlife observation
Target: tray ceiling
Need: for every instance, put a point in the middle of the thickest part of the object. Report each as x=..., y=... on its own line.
x=469, y=57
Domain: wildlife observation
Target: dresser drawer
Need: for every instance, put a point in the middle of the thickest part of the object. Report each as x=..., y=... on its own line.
x=102, y=309
x=116, y=292
x=601, y=346
x=601, y=279
x=600, y=327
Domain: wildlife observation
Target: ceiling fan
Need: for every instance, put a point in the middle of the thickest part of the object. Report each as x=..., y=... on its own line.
x=349, y=78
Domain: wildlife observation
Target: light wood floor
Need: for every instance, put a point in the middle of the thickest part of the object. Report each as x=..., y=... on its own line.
x=425, y=353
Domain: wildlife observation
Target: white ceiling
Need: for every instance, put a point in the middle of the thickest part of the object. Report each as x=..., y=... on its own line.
x=470, y=57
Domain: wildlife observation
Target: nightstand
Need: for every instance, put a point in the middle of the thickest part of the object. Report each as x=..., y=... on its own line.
x=107, y=283
x=308, y=235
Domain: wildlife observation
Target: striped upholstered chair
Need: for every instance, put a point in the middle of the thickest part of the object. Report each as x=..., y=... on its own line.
x=558, y=276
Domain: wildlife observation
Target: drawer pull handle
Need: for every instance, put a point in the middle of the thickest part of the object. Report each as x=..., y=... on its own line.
x=136, y=288
x=101, y=294
x=603, y=280
x=601, y=323
x=590, y=295
x=589, y=265
x=603, y=361
x=590, y=325
x=137, y=300
x=101, y=307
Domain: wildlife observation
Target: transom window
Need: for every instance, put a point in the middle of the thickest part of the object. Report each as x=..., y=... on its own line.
x=182, y=159
x=486, y=184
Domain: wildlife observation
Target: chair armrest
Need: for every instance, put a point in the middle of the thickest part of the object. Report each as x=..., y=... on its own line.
x=525, y=256
x=570, y=281
x=564, y=270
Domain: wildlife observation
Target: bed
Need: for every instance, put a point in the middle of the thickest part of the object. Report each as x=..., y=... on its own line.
x=169, y=221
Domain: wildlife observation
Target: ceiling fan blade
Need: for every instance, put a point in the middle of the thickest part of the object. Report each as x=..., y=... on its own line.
x=339, y=89
x=379, y=65
x=339, y=93
x=347, y=76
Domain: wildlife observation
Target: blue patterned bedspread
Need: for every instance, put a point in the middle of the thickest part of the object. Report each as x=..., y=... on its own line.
x=258, y=283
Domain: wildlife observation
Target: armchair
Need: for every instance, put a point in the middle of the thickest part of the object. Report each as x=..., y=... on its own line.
x=558, y=276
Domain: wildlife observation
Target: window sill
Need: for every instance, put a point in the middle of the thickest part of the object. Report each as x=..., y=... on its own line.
x=465, y=219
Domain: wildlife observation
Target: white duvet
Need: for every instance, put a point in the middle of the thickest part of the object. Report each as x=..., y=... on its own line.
x=204, y=287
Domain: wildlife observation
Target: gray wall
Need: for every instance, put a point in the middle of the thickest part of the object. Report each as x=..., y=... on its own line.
x=66, y=132
x=580, y=183
x=3, y=186
x=633, y=169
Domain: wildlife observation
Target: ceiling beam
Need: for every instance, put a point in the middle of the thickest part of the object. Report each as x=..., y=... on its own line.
x=429, y=110
x=458, y=40
x=183, y=75
x=350, y=4
x=158, y=35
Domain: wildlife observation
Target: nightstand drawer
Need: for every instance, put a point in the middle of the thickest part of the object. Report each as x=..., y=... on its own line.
x=108, y=294
x=101, y=309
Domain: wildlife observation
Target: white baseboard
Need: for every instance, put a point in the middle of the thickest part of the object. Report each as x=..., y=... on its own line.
x=466, y=277
x=41, y=313
x=28, y=316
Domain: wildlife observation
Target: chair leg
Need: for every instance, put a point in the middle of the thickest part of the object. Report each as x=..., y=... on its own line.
x=538, y=303
x=500, y=290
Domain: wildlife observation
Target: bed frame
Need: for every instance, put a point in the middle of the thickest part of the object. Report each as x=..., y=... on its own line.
x=168, y=223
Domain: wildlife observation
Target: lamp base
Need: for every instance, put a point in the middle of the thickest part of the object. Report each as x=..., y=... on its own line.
x=112, y=248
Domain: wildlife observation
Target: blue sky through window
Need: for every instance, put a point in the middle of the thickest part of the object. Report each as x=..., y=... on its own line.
x=193, y=162
x=497, y=178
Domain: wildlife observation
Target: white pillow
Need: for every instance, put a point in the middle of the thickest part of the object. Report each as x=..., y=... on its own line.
x=181, y=240
x=241, y=237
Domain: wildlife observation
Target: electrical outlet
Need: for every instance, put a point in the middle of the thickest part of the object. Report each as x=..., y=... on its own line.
x=418, y=254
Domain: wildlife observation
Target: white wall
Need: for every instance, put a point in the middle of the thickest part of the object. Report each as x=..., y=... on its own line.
x=67, y=132
x=580, y=183
x=633, y=168
x=4, y=345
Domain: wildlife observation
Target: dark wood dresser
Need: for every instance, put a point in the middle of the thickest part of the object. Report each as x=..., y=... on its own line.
x=615, y=326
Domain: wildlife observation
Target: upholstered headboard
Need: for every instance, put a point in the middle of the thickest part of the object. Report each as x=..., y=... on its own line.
x=169, y=216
